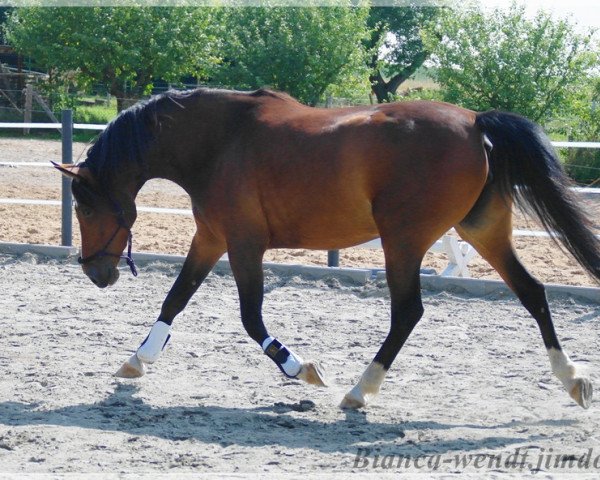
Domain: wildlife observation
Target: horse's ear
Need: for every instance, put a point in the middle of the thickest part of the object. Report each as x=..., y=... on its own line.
x=68, y=170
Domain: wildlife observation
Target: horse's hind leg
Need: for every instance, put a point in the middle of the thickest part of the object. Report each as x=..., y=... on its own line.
x=488, y=227
x=245, y=259
x=402, y=270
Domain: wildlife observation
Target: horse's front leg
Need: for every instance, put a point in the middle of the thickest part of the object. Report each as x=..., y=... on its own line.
x=246, y=264
x=203, y=254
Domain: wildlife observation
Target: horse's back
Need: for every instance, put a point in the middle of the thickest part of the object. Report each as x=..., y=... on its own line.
x=318, y=175
x=322, y=172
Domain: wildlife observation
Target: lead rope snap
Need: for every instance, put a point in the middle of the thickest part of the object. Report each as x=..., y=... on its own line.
x=129, y=258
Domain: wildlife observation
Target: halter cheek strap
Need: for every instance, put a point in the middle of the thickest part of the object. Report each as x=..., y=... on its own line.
x=105, y=253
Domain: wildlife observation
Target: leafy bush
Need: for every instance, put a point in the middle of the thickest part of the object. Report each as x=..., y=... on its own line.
x=583, y=165
x=95, y=113
x=581, y=122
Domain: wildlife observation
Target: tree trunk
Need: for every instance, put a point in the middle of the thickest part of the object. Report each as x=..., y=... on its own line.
x=125, y=99
x=384, y=90
x=378, y=86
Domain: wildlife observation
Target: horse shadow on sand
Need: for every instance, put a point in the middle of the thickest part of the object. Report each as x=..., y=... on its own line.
x=272, y=425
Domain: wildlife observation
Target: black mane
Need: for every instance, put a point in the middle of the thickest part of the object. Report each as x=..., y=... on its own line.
x=126, y=139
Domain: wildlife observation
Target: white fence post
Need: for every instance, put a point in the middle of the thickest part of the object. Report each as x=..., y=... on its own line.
x=459, y=255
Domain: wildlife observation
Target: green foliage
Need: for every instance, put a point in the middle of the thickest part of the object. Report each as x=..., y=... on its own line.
x=95, y=113
x=581, y=122
x=302, y=51
x=396, y=45
x=352, y=89
x=433, y=94
x=4, y=13
x=503, y=60
x=583, y=165
x=117, y=46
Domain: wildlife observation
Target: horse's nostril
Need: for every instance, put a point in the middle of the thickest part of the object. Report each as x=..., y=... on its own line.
x=101, y=275
x=92, y=272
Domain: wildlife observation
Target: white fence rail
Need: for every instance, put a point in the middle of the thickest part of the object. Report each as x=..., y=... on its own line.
x=53, y=126
x=459, y=253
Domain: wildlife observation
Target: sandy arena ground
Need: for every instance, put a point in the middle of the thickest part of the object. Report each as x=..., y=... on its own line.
x=471, y=391
x=172, y=234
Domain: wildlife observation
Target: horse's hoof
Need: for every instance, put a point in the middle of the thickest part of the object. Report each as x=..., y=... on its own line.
x=350, y=402
x=311, y=373
x=132, y=368
x=582, y=392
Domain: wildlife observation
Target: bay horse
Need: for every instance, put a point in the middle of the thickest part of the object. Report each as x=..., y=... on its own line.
x=265, y=171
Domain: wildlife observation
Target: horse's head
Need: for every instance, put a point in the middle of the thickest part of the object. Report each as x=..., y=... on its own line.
x=105, y=222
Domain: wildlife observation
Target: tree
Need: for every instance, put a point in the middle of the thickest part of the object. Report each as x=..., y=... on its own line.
x=126, y=48
x=4, y=13
x=503, y=60
x=395, y=45
x=580, y=121
x=298, y=50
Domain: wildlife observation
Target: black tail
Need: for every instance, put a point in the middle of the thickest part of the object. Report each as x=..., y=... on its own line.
x=525, y=166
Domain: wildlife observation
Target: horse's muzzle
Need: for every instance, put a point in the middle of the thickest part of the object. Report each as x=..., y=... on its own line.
x=101, y=275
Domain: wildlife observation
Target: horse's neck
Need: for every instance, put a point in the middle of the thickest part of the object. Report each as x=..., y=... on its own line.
x=173, y=169
x=189, y=158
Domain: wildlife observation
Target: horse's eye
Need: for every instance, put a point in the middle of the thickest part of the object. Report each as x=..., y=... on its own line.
x=85, y=210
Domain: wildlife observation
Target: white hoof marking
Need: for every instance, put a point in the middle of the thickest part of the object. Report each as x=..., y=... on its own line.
x=367, y=387
x=578, y=386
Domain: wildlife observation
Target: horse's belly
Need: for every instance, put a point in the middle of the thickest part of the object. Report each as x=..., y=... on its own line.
x=323, y=232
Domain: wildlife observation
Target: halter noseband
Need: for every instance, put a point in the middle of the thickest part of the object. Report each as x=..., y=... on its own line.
x=104, y=253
